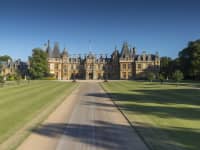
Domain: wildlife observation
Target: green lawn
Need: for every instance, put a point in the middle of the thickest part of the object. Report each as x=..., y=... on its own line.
x=19, y=104
x=166, y=116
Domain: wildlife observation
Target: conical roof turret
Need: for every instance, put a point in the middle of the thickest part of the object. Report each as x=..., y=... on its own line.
x=125, y=51
x=56, y=51
x=65, y=53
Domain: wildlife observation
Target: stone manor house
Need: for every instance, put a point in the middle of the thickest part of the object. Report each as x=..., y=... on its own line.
x=121, y=65
x=10, y=67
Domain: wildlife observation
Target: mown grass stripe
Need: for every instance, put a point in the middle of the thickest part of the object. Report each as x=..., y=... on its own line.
x=167, y=116
x=19, y=104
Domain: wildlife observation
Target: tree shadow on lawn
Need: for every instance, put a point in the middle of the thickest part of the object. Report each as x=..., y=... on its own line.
x=137, y=103
x=111, y=136
x=163, y=96
x=149, y=104
x=160, y=111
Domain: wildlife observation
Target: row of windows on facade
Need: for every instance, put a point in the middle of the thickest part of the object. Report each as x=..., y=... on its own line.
x=143, y=57
x=139, y=66
x=78, y=60
x=139, y=58
x=101, y=67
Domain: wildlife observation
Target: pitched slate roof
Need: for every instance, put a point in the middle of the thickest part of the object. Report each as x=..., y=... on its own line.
x=65, y=53
x=125, y=51
x=56, y=51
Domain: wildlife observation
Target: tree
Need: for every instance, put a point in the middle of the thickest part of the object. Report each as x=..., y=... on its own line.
x=18, y=77
x=174, y=65
x=10, y=77
x=165, y=63
x=5, y=58
x=178, y=76
x=1, y=66
x=190, y=60
x=2, y=81
x=38, y=64
x=161, y=78
x=150, y=76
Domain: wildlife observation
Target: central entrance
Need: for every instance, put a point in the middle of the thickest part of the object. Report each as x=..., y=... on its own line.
x=90, y=76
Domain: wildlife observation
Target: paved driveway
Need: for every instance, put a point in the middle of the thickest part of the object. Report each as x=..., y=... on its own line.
x=87, y=120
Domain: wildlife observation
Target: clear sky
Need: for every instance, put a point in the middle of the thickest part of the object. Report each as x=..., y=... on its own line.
x=165, y=26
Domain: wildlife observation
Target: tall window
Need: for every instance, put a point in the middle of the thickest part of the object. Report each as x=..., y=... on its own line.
x=124, y=66
x=56, y=66
x=139, y=66
x=99, y=67
x=65, y=68
x=51, y=66
x=129, y=66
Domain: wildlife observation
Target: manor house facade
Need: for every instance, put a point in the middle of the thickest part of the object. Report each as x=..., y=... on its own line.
x=121, y=65
x=10, y=67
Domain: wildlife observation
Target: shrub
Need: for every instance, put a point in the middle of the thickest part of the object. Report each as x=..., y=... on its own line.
x=177, y=76
x=161, y=78
x=18, y=78
x=150, y=76
x=10, y=77
x=2, y=81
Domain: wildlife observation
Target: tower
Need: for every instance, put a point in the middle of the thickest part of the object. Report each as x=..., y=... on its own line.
x=48, y=49
x=126, y=62
x=56, y=51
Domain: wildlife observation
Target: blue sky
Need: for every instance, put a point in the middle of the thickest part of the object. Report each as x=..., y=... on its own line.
x=163, y=26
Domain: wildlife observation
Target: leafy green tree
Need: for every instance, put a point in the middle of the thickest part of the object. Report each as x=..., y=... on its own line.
x=161, y=78
x=168, y=66
x=2, y=81
x=190, y=60
x=150, y=76
x=5, y=58
x=1, y=66
x=38, y=64
x=174, y=65
x=18, y=77
x=165, y=65
x=10, y=77
x=178, y=76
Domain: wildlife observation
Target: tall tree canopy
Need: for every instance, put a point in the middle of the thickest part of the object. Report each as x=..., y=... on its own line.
x=38, y=64
x=5, y=58
x=165, y=63
x=168, y=65
x=190, y=60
